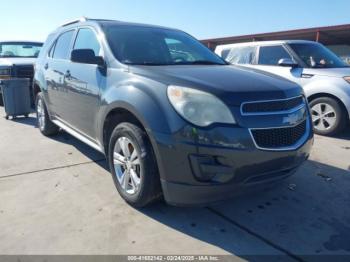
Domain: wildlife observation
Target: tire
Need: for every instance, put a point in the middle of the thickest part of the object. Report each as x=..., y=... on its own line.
x=328, y=116
x=46, y=127
x=138, y=170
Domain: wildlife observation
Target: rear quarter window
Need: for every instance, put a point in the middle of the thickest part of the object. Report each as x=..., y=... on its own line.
x=239, y=55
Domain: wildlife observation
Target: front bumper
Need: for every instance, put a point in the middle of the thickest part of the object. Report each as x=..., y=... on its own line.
x=198, y=167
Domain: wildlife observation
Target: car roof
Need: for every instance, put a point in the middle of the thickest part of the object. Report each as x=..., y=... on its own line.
x=263, y=43
x=106, y=22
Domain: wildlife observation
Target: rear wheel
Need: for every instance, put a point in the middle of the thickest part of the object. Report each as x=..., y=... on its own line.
x=45, y=125
x=328, y=116
x=133, y=165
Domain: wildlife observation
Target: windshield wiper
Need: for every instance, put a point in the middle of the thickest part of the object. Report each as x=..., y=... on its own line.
x=146, y=64
x=200, y=62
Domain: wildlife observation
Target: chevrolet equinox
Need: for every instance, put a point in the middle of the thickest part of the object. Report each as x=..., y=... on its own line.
x=172, y=118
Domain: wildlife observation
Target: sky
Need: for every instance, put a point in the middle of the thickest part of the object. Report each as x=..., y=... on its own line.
x=35, y=19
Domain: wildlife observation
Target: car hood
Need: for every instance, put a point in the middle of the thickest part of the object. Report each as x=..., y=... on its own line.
x=16, y=61
x=331, y=72
x=233, y=84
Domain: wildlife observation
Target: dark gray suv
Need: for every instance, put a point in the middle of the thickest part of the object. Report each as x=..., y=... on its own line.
x=172, y=118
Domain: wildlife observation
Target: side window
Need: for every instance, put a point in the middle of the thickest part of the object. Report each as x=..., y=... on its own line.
x=87, y=39
x=62, y=45
x=239, y=55
x=270, y=55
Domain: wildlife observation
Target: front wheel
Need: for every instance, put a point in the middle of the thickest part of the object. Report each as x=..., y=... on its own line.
x=133, y=165
x=328, y=116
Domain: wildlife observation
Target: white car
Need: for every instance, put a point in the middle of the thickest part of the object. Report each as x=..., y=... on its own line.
x=17, y=60
x=324, y=76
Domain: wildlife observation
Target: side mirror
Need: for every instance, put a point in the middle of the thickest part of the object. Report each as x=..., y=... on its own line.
x=287, y=62
x=86, y=56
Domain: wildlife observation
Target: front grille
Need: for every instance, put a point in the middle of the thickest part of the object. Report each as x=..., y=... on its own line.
x=272, y=106
x=24, y=71
x=276, y=138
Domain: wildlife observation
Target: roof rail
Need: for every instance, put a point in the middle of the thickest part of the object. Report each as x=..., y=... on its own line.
x=81, y=19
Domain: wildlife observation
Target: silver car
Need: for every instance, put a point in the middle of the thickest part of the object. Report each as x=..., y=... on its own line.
x=324, y=76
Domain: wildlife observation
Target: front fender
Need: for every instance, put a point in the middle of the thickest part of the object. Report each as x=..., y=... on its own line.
x=336, y=87
x=148, y=102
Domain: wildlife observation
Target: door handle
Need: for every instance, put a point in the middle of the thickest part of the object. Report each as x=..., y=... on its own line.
x=306, y=76
x=46, y=66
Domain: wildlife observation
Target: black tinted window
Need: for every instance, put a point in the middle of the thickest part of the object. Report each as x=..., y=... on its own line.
x=86, y=39
x=317, y=56
x=62, y=46
x=271, y=55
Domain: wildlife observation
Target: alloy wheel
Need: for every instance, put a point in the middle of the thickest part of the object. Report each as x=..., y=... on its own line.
x=41, y=114
x=127, y=165
x=323, y=116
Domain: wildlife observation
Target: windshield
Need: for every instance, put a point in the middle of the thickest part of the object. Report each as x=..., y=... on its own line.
x=138, y=45
x=317, y=56
x=20, y=49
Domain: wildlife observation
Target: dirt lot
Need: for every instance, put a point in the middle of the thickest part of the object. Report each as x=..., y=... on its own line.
x=57, y=197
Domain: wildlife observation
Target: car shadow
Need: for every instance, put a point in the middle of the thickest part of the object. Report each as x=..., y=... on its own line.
x=66, y=138
x=93, y=155
x=345, y=135
x=302, y=217
x=29, y=121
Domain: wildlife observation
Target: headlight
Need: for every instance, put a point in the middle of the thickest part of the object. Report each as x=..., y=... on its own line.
x=5, y=73
x=347, y=79
x=198, y=107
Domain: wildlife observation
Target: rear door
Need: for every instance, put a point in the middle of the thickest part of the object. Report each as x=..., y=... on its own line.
x=83, y=85
x=55, y=67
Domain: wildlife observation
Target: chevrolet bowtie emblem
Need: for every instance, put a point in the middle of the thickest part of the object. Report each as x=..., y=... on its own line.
x=295, y=118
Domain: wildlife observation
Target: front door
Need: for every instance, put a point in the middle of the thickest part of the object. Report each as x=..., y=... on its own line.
x=83, y=84
x=268, y=58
